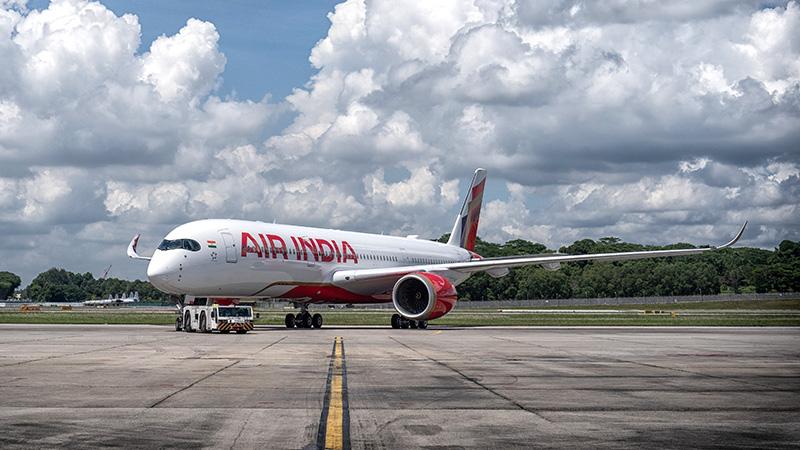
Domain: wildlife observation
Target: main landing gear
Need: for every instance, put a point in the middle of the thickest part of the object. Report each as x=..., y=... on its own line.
x=399, y=321
x=303, y=319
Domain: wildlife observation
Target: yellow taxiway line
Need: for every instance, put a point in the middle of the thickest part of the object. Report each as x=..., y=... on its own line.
x=334, y=423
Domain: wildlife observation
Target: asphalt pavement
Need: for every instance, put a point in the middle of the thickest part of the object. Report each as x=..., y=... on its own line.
x=149, y=386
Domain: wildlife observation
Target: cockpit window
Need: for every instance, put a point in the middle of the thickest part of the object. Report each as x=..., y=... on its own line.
x=185, y=244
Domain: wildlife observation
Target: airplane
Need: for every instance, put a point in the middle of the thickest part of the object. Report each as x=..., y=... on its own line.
x=216, y=258
x=115, y=300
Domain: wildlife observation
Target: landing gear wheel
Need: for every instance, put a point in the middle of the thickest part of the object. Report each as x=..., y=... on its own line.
x=306, y=320
x=289, y=321
x=203, y=327
x=178, y=324
x=396, y=321
x=187, y=322
x=404, y=323
x=422, y=324
x=316, y=320
x=412, y=324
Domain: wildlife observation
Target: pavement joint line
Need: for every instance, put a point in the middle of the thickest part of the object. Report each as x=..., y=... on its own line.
x=395, y=408
x=334, y=422
x=25, y=341
x=19, y=363
x=241, y=430
x=655, y=366
x=270, y=345
x=474, y=381
x=606, y=338
x=193, y=383
x=733, y=340
x=209, y=376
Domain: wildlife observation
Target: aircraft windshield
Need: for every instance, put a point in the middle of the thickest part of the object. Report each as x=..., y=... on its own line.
x=238, y=311
x=185, y=244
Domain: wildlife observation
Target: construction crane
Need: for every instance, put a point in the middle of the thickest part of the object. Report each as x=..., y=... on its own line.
x=105, y=274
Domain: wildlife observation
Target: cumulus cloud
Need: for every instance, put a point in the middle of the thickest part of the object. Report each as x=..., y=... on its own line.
x=89, y=121
x=184, y=66
x=621, y=115
x=653, y=121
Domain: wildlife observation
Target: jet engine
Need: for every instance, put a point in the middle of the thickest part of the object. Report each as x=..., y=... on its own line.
x=423, y=296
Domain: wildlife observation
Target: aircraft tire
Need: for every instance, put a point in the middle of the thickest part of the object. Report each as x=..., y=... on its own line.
x=396, y=321
x=422, y=324
x=289, y=321
x=306, y=320
x=412, y=324
x=316, y=320
x=404, y=323
x=187, y=322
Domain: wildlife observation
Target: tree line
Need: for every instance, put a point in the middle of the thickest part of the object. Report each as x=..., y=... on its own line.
x=59, y=285
x=733, y=270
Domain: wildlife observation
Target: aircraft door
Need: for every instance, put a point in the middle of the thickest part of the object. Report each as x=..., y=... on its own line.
x=230, y=247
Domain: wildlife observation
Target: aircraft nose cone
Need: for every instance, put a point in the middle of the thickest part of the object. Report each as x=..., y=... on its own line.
x=160, y=273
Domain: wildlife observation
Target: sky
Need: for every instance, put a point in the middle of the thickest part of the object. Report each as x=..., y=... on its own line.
x=656, y=122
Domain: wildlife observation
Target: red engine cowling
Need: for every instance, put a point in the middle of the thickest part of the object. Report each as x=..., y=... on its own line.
x=423, y=296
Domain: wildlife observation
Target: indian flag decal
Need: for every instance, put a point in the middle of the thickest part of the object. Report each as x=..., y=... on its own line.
x=212, y=244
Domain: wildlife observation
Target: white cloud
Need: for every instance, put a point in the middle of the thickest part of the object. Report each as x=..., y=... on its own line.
x=15, y=4
x=655, y=121
x=419, y=190
x=186, y=65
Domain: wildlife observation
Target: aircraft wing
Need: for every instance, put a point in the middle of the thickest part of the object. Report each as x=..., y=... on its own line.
x=365, y=280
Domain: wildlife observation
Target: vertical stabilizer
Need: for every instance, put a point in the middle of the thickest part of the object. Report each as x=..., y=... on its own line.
x=465, y=230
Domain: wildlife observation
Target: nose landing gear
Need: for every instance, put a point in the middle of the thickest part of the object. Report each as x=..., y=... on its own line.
x=303, y=319
x=399, y=321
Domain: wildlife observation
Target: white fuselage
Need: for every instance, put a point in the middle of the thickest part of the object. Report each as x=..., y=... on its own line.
x=237, y=258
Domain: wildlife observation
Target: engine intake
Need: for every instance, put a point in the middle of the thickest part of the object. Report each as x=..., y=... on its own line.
x=423, y=296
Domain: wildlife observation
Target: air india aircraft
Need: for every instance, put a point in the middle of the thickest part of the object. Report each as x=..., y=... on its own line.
x=247, y=260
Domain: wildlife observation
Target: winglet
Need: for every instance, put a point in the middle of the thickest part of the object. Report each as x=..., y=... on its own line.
x=736, y=238
x=132, y=249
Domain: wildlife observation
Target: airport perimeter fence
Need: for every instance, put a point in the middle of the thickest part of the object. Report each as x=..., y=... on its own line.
x=625, y=300
x=500, y=304
x=491, y=304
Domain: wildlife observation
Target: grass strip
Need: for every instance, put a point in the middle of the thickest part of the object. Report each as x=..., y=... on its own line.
x=462, y=319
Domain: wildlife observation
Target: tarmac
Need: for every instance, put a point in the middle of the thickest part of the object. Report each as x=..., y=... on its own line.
x=149, y=386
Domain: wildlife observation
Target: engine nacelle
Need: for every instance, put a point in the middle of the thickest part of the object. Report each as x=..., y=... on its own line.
x=423, y=296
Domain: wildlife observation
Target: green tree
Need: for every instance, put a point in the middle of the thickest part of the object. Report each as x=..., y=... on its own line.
x=59, y=285
x=9, y=282
x=539, y=283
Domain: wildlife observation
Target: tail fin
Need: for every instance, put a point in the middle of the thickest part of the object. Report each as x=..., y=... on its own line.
x=465, y=229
